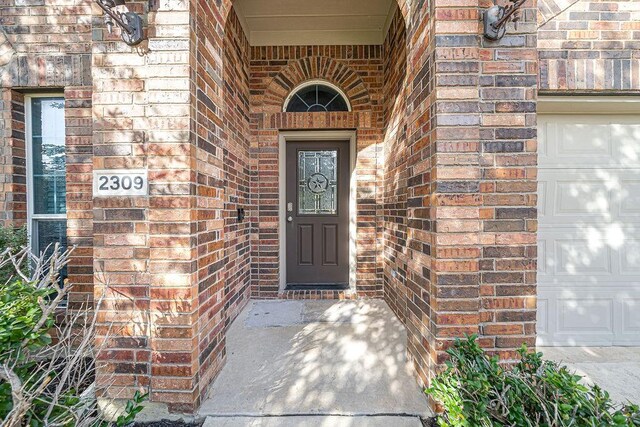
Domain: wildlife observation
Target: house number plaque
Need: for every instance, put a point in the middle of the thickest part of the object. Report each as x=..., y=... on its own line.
x=109, y=183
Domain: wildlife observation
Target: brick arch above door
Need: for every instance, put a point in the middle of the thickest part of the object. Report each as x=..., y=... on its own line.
x=272, y=99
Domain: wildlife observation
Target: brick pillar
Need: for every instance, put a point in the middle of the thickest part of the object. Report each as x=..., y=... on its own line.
x=484, y=182
x=508, y=163
x=145, y=247
x=79, y=131
x=13, y=180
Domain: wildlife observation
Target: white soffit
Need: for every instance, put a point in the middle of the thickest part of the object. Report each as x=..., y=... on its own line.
x=315, y=22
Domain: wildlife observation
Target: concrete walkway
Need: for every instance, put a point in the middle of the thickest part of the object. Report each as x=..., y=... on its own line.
x=317, y=363
x=614, y=369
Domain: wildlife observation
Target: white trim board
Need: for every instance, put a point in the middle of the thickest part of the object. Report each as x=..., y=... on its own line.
x=312, y=136
x=574, y=104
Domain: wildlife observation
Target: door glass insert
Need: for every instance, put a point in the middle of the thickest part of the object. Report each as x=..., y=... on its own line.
x=318, y=182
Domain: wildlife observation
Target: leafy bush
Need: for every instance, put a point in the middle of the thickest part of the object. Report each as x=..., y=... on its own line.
x=12, y=240
x=475, y=390
x=47, y=356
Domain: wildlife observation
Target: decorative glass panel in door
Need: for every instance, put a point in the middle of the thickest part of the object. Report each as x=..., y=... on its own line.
x=318, y=182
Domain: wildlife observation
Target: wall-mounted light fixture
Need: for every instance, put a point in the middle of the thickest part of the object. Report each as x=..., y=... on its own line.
x=497, y=17
x=130, y=23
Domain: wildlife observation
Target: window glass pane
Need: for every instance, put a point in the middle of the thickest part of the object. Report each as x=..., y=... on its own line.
x=318, y=182
x=48, y=156
x=47, y=234
x=317, y=98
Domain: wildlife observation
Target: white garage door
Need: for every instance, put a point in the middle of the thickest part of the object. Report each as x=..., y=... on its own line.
x=589, y=235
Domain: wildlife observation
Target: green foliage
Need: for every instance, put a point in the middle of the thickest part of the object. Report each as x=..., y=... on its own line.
x=133, y=408
x=477, y=391
x=20, y=313
x=23, y=330
x=14, y=239
x=24, y=344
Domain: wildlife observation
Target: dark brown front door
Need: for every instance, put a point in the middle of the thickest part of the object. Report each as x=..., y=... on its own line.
x=317, y=213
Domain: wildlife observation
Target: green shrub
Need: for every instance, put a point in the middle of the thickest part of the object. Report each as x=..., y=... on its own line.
x=44, y=380
x=14, y=239
x=477, y=391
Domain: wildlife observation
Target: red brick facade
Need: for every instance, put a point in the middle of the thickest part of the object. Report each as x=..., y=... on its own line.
x=589, y=46
x=445, y=125
x=13, y=173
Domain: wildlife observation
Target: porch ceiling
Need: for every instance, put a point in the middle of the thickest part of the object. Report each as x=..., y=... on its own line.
x=315, y=22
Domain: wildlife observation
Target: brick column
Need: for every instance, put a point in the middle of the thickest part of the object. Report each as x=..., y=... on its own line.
x=484, y=183
x=145, y=247
x=79, y=155
x=508, y=162
x=13, y=175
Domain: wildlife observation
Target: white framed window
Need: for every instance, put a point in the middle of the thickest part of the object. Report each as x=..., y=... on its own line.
x=46, y=172
x=316, y=96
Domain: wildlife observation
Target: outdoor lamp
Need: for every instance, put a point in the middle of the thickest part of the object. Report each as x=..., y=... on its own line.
x=497, y=17
x=130, y=23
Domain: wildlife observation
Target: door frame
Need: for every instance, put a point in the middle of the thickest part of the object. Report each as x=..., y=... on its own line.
x=314, y=136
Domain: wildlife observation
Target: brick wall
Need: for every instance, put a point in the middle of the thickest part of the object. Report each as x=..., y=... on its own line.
x=275, y=72
x=79, y=155
x=145, y=247
x=462, y=259
x=45, y=45
x=589, y=45
x=395, y=167
x=13, y=174
x=237, y=168
x=416, y=171
x=446, y=143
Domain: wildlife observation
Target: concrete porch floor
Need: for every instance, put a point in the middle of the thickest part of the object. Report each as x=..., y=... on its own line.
x=614, y=369
x=336, y=363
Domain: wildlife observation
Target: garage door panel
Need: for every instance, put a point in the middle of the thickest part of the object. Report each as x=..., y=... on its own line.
x=585, y=315
x=543, y=316
x=572, y=314
x=630, y=197
x=582, y=196
x=626, y=134
x=630, y=258
x=589, y=230
x=589, y=196
x=573, y=141
x=575, y=316
x=631, y=315
x=591, y=255
x=562, y=140
x=543, y=190
x=580, y=256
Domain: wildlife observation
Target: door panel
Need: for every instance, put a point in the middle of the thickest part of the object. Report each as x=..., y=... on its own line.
x=330, y=246
x=305, y=244
x=317, y=227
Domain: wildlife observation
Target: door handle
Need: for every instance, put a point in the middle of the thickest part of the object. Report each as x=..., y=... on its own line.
x=289, y=219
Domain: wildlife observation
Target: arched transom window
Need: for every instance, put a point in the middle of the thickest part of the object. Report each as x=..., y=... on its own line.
x=316, y=96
